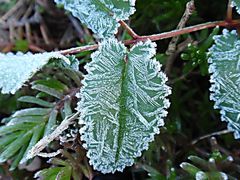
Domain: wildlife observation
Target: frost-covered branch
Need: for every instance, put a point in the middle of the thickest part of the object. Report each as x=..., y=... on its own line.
x=47, y=139
x=157, y=37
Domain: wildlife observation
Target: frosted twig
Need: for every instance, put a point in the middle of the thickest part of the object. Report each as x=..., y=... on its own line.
x=211, y=134
x=50, y=155
x=47, y=139
x=173, y=43
x=156, y=37
x=129, y=30
x=188, y=12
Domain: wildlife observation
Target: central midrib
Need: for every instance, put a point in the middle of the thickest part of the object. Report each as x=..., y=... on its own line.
x=122, y=107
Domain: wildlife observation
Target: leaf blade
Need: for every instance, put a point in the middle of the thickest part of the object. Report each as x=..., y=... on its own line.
x=15, y=70
x=225, y=77
x=119, y=104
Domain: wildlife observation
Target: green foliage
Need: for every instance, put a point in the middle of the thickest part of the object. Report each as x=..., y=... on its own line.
x=156, y=175
x=4, y=6
x=62, y=170
x=21, y=132
x=196, y=54
x=27, y=126
x=202, y=169
x=157, y=15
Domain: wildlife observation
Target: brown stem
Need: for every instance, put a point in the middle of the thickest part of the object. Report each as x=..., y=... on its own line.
x=171, y=51
x=229, y=11
x=129, y=30
x=79, y=49
x=160, y=36
x=174, y=33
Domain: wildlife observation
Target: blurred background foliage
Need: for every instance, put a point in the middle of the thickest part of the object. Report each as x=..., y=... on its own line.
x=193, y=143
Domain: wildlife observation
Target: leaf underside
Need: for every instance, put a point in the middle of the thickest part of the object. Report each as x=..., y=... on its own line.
x=101, y=16
x=15, y=70
x=225, y=68
x=236, y=3
x=122, y=104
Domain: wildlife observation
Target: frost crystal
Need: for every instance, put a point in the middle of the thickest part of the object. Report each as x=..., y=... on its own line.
x=15, y=70
x=225, y=68
x=237, y=4
x=101, y=16
x=122, y=104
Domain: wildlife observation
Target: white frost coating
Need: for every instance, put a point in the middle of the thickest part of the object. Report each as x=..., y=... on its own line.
x=123, y=102
x=201, y=176
x=237, y=4
x=225, y=68
x=15, y=70
x=101, y=16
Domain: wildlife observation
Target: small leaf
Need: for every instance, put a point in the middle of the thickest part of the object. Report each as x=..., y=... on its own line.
x=51, y=91
x=63, y=171
x=15, y=146
x=25, y=128
x=100, y=16
x=32, y=112
x=12, y=128
x=51, y=122
x=225, y=68
x=37, y=134
x=15, y=70
x=5, y=140
x=34, y=100
x=191, y=169
x=122, y=105
x=52, y=83
x=18, y=158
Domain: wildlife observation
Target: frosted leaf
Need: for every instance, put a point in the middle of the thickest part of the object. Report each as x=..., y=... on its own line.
x=101, y=16
x=225, y=68
x=122, y=104
x=15, y=70
x=236, y=3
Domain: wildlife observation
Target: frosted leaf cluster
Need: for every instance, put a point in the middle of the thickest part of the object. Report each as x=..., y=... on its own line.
x=16, y=69
x=101, y=16
x=225, y=68
x=123, y=103
x=236, y=3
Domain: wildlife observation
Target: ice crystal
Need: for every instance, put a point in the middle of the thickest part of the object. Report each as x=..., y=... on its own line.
x=236, y=3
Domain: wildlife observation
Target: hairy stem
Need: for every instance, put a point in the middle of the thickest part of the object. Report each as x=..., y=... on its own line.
x=157, y=37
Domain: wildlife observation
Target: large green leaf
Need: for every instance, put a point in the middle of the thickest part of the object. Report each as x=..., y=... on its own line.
x=225, y=68
x=15, y=70
x=101, y=16
x=122, y=104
